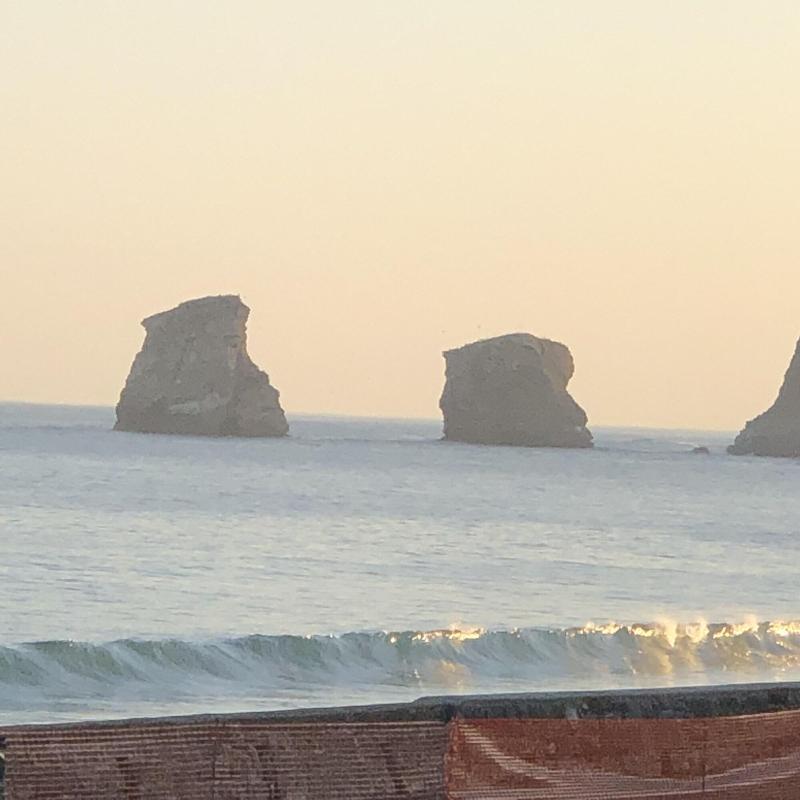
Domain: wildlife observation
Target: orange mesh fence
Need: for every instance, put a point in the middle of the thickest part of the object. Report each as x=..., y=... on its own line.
x=344, y=761
x=721, y=743
x=722, y=758
x=223, y=761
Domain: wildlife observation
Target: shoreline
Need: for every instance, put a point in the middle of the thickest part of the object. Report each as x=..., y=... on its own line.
x=729, y=741
x=673, y=702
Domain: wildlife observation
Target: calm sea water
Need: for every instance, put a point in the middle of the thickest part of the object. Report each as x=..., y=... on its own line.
x=365, y=560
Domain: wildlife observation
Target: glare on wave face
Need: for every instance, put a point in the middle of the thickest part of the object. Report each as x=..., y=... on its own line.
x=376, y=666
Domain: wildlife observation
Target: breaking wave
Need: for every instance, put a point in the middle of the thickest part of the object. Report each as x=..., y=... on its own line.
x=276, y=671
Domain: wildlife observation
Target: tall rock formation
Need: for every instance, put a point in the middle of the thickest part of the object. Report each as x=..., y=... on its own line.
x=512, y=390
x=193, y=376
x=776, y=432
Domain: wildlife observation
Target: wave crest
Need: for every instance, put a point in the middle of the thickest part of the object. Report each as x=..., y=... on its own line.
x=295, y=668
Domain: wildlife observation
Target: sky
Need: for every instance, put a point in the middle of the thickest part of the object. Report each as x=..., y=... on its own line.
x=381, y=181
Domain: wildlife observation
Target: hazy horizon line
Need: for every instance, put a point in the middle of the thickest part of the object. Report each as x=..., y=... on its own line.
x=384, y=418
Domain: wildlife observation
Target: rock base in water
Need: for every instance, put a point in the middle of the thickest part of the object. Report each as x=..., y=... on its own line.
x=512, y=390
x=776, y=432
x=193, y=376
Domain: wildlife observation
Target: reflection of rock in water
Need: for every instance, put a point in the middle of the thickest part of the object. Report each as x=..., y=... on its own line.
x=512, y=390
x=776, y=432
x=194, y=376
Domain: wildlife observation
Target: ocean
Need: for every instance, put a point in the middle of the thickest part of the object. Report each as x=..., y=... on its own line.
x=366, y=560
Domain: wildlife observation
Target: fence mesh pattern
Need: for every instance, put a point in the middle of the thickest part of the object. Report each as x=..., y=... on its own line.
x=725, y=758
x=752, y=757
x=341, y=761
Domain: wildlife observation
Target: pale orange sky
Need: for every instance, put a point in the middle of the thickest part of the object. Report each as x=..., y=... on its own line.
x=384, y=180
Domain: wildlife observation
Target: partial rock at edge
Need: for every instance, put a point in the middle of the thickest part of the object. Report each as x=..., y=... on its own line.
x=776, y=432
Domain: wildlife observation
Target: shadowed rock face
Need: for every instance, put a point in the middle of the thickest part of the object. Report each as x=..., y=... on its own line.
x=776, y=432
x=193, y=376
x=512, y=390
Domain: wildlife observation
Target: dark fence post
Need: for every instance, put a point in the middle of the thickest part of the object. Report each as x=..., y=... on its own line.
x=2, y=767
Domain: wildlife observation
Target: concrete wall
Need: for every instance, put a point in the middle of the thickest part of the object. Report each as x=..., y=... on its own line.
x=737, y=743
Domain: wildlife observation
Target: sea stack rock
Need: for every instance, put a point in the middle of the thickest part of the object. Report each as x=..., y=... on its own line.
x=512, y=390
x=193, y=376
x=777, y=431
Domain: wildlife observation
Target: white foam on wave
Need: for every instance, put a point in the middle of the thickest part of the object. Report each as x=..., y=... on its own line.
x=108, y=678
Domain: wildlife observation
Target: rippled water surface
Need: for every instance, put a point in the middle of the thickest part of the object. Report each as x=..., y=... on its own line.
x=364, y=560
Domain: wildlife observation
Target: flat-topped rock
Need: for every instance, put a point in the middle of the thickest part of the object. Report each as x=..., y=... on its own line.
x=194, y=376
x=776, y=432
x=512, y=390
